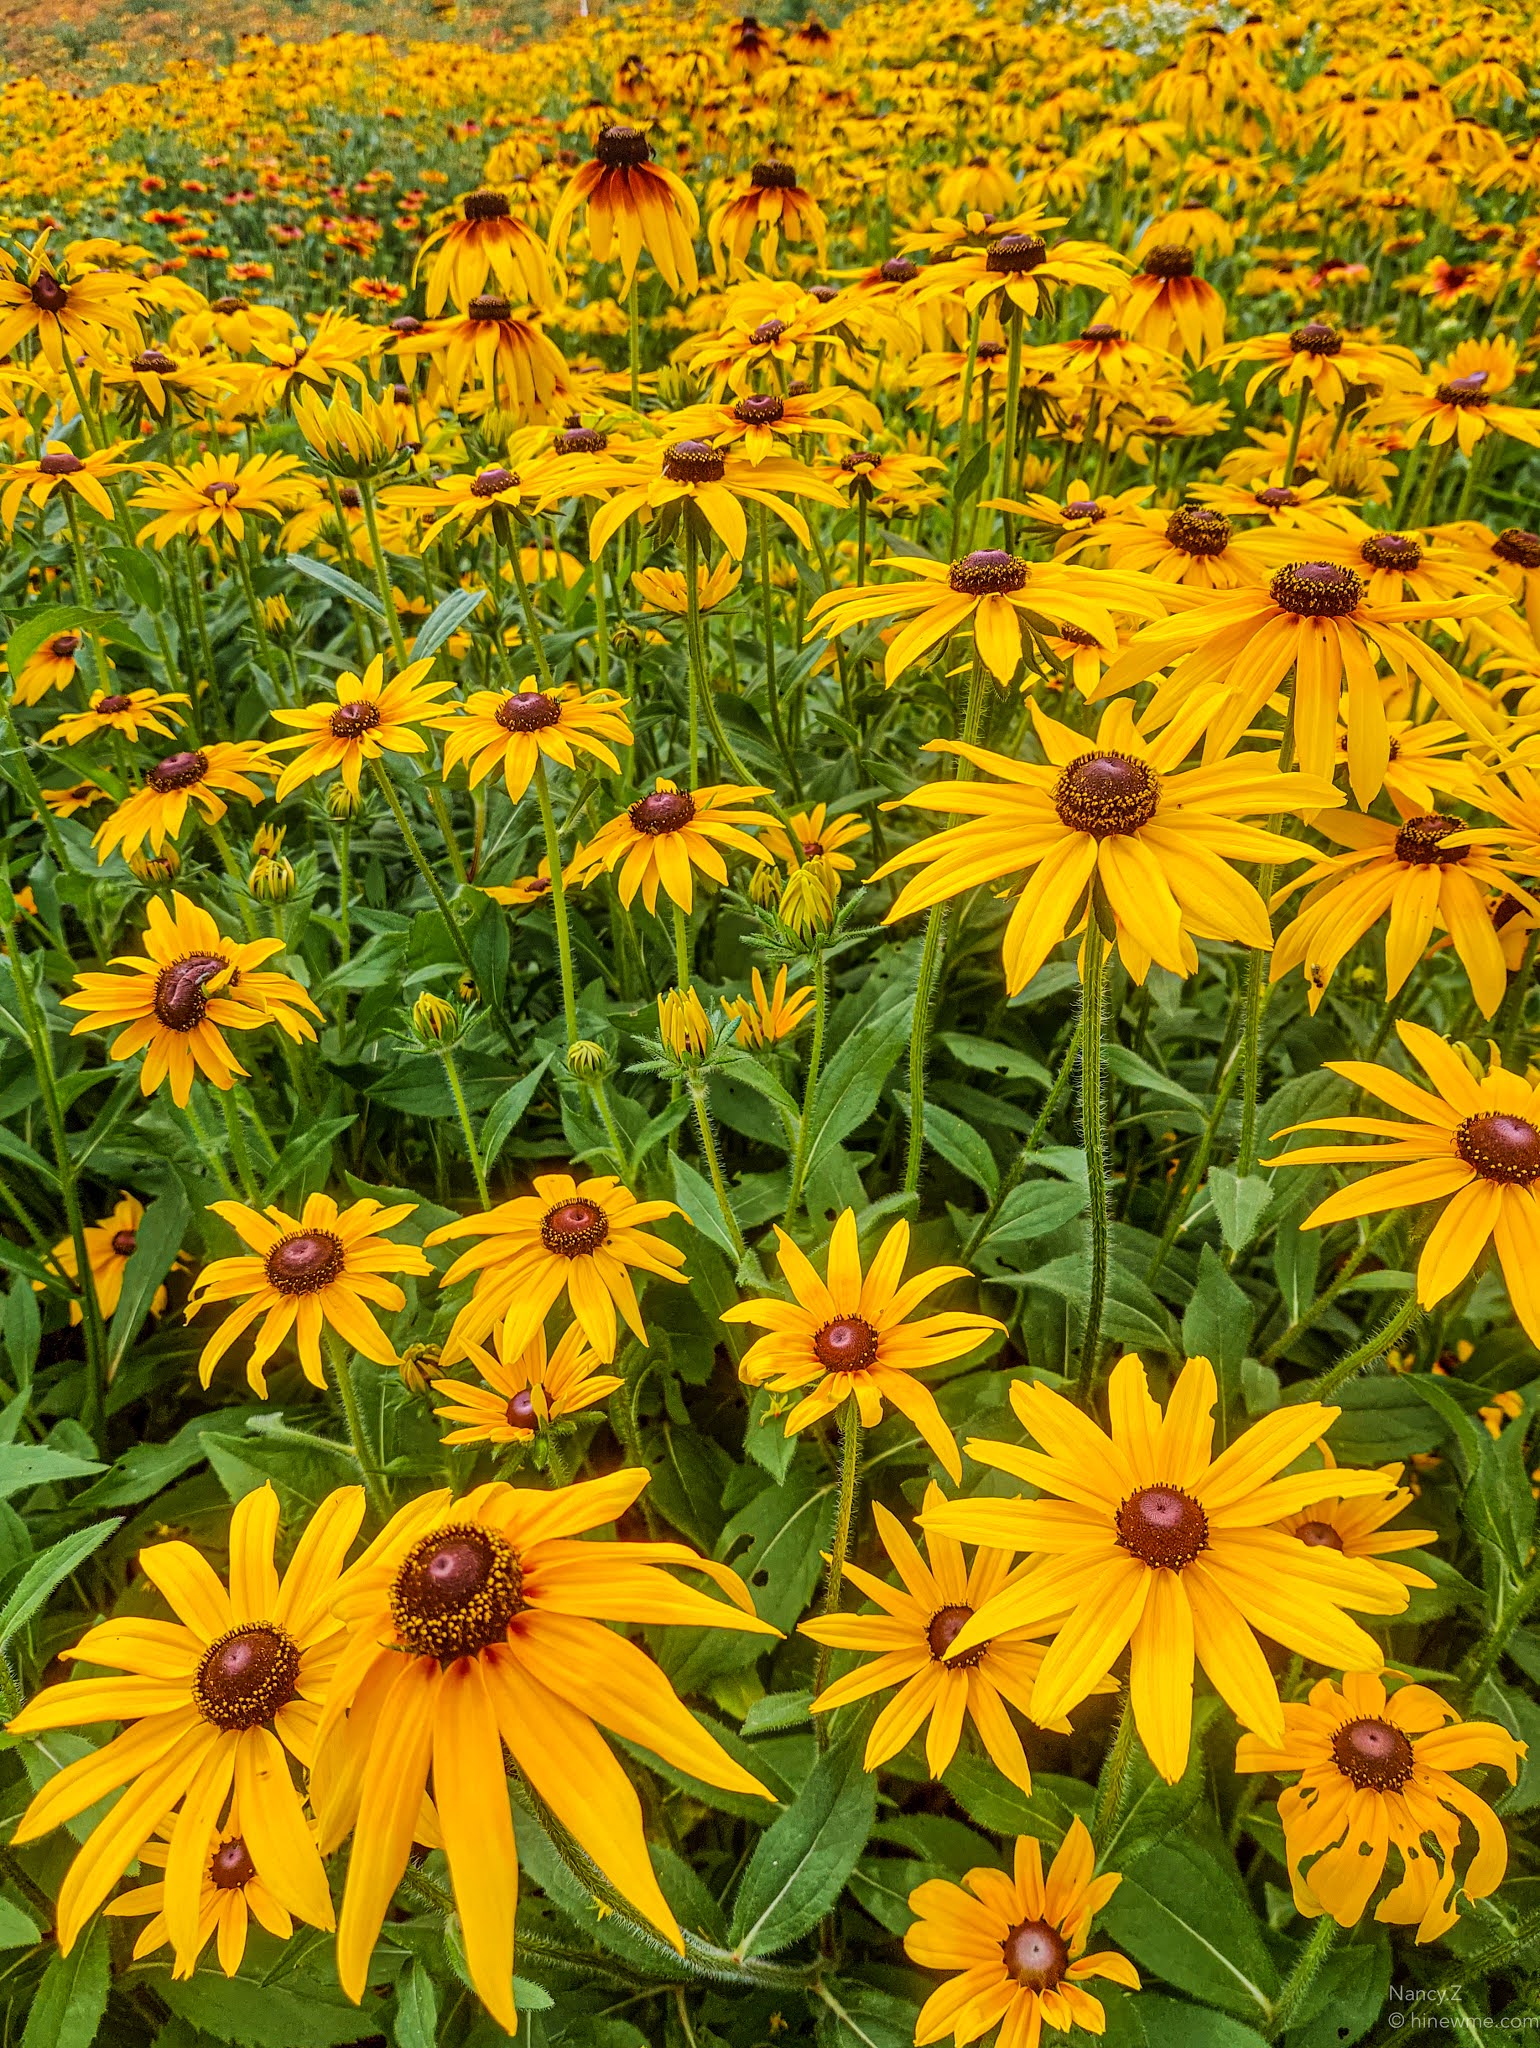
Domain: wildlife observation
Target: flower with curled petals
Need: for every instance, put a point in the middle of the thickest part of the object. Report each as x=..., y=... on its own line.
x=1148, y=1540
x=633, y=204
x=301, y=1274
x=849, y=1338
x=1018, y=1946
x=1376, y=1772
x=582, y=1239
x=216, y=1702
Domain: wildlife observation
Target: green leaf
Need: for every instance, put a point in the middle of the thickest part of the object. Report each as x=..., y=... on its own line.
x=1348, y=1995
x=780, y=1529
x=961, y=1146
x=1133, y=1314
x=1170, y=2023
x=156, y=1244
x=857, y=2015
x=1499, y=1506
x=696, y=1196
x=987, y=1056
x=1184, y=1915
x=42, y=621
x=16, y=1930
x=852, y=1081
x=416, y=2009
x=300, y=1152
x=500, y=1121
x=23, y=1466
x=1134, y=1072
x=447, y=617
x=256, y=2012
x=144, y=1469
x=72, y=1998
x=1239, y=1204
x=1217, y=1322
x=801, y=1863
x=51, y=1569
x=139, y=572
x=333, y=580
x=1152, y=1809
x=991, y=1800
x=1035, y=1209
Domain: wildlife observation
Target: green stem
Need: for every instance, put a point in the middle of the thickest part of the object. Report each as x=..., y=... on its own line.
x=1298, y=427
x=681, y=950
x=472, y=1152
x=1093, y=1136
x=634, y=343
x=1012, y=408
x=1484, y=1658
x=1114, y=1779
x=698, y=682
x=919, y=1043
x=413, y=847
x=601, y=623
x=772, y=682
x=702, y=1108
x=1376, y=1347
x=31, y=790
x=558, y=899
x=438, y=804
x=527, y=607
x=381, y=573
x=1424, y=511
x=814, y=1062
x=1302, y=1976
x=238, y=1148
x=1323, y=1301
x=363, y=1450
x=344, y=920
x=839, y=1549
x=964, y=423
x=253, y=607
x=1014, y=1174
x=1509, y=1021
x=205, y=1148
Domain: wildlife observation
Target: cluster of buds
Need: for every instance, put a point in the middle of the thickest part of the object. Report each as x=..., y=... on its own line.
x=276, y=616
x=418, y=1366
x=155, y=870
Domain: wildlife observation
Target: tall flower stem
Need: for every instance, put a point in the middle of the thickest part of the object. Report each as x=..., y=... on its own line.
x=814, y=1063
x=634, y=343
x=381, y=573
x=1113, y=1785
x=708, y=1144
x=344, y=919
x=363, y=1450
x=1012, y=410
x=1486, y=1655
x=1302, y=1976
x=1298, y=427
x=1093, y=1133
x=839, y=1547
x=527, y=607
x=205, y=1148
x=414, y=848
x=699, y=680
x=253, y=606
x=462, y=1110
x=964, y=422
x=94, y=1410
x=1258, y=987
x=772, y=680
x=601, y=623
x=558, y=899
x=681, y=949
x=239, y=1150
x=1346, y=1368
x=34, y=795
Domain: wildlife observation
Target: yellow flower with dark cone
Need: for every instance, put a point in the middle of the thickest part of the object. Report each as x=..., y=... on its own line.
x=217, y=1702
x=1167, y=305
x=1472, y=1144
x=214, y=496
x=920, y=1619
x=633, y=204
x=129, y=712
x=1152, y=1543
x=582, y=1239
x=176, y=1002
x=774, y=204
x=666, y=835
x=540, y=1387
x=155, y=811
x=1157, y=839
x=850, y=1338
x=50, y=666
x=58, y=469
x=515, y=729
x=303, y=1275
x=110, y=1245
x=692, y=478
x=1356, y=1527
x=232, y=1895
x=1018, y=1945
x=70, y=314
x=820, y=837
x=1376, y=1772
x=1017, y=266
x=371, y=718
x=488, y=240
x=478, y=1623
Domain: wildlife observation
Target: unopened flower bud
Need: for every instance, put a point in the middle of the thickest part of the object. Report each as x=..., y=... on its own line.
x=342, y=803
x=155, y=870
x=268, y=840
x=586, y=1061
x=272, y=879
x=419, y=1363
x=435, y=1023
x=765, y=885
x=626, y=640
x=683, y=1024
x=466, y=990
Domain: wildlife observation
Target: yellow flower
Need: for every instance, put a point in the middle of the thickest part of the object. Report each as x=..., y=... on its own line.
x=1356, y=1527
x=766, y=1020
x=370, y=718
x=353, y=437
x=69, y=313
x=683, y=1024
x=155, y=811
x=710, y=485
x=773, y=204
x=50, y=666
x=664, y=590
x=214, y=495
x=819, y=836
x=57, y=469
x=232, y=1894
x=129, y=712
x=540, y=1387
x=664, y=836
x=518, y=728
x=633, y=204
x=110, y=1245
x=488, y=240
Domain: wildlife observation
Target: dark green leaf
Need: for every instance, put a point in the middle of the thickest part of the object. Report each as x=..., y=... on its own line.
x=800, y=1864
x=501, y=1120
x=333, y=580
x=1183, y=1914
x=51, y=1569
x=72, y=1998
x=156, y=1244
x=446, y=617
x=23, y=1466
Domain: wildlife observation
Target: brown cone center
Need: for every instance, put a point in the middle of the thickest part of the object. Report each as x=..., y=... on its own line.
x=1197, y=531
x=110, y=707
x=1420, y=841
x=620, y=148
x=848, y=1344
x=520, y=1412
x=1373, y=1755
x=123, y=1242
x=456, y=1591
x=1163, y=1526
x=352, y=721
x=485, y=205
x=987, y=572
x=1318, y=1536
x=1108, y=795
x=231, y=1867
x=1391, y=551
x=528, y=711
x=1034, y=1955
x=491, y=483
x=946, y=1625
x=1316, y=338
x=574, y=1228
x=1316, y=590
x=305, y=1262
x=178, y=771
x=246, y=1676
x=59, y=462
x=664, y=810
x=694, y=462
x=1167, y=261
x=1516, y=545
x=180, y=1002
x=1014, y=255
x=1499, y=1147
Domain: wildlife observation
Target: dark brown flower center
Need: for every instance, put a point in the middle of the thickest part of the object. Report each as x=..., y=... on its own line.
x=304, y=1262
x=759, y=409
x=231, y=1867
x=1315, y=338
x=520, y=1412
x=1515, y=545
x=1373, y=1755
x=456, y=1591
x=1101, y=332
x=485, y=205
x=1197, y=531
x=1034, y=1955
x=1465, y=391
x=663, y=810
x=575, y=440
x=180, y=1002
x=489, y=306
x=1420, y=841
x=151, y=362
x=946, y=1625
x=222, y=492
x=1085, y=508
x=1276, y=497
x=352, y=721
x=1498, y=1147
x=767, y=333
x=1169, y=259
x=1316, y=590
x=350, y=497
x=63, y=646
x=123, y=1242
x=694, y=462
x=824, y=294
x=48, y=295
x=773, y=176
x=991, y=351
x=1107, y=794
x=1318, y=1536
x=898, y=270
x=987, y=572
x=574, y=1229
x=1391, y=551
x=1014, y=255
x=491, y=483
x=1163, y=1527
x=857, y=461
x=110, y=707
x=621, y=148
x=246, y=1676
x=59, y=462
x=406, y=323
x=178, y=771
x=528, y=711
x=848, y=1344
x=229, y=304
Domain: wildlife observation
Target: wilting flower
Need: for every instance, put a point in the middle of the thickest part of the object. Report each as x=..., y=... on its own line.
x=773, y=204
x=538, y=1388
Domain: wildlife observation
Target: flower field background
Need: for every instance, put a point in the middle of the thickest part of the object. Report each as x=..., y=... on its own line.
x=771, y=801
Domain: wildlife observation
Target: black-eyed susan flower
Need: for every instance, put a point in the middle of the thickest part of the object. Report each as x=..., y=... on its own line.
x=1510, y=556
x=582, y=1239
x=1463, y=409
x=353, y=434
x=906, y=1644
x=665, y=590
x=231, y=1896
x=213, y=496
x=464, y=503
x=1152, y=1542
x=1018, y=268
x=370, y=718
x=303, y=1274
x=540, y=1386
x=1159, y=839
x=175, y=1003
x=773, y=204
x=157, y=809
x=891, y=479
x=984, y=595
x=217, y=1702
x=1376, y=1772
x=1473, y=1145
x=515, y=729
x=849, y=1337
x=488, y=240
x=761, y=420
x=50, y=666
x=154, y=382
x=1320, y=355
x=476, y=1623
x=666, y=835
x=1193, y=545
x=1017, y=1947
x=1357, y=1527
x=110, y=1244
x=1422, y=872
x=1311, y=504
x=709, y=486
x=60, y=469
x=502, y=346
x=72, y=311
x=767, y=1018
x=129, y=712
x=818, y=837
x=1168, y=306
x=633, y=204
